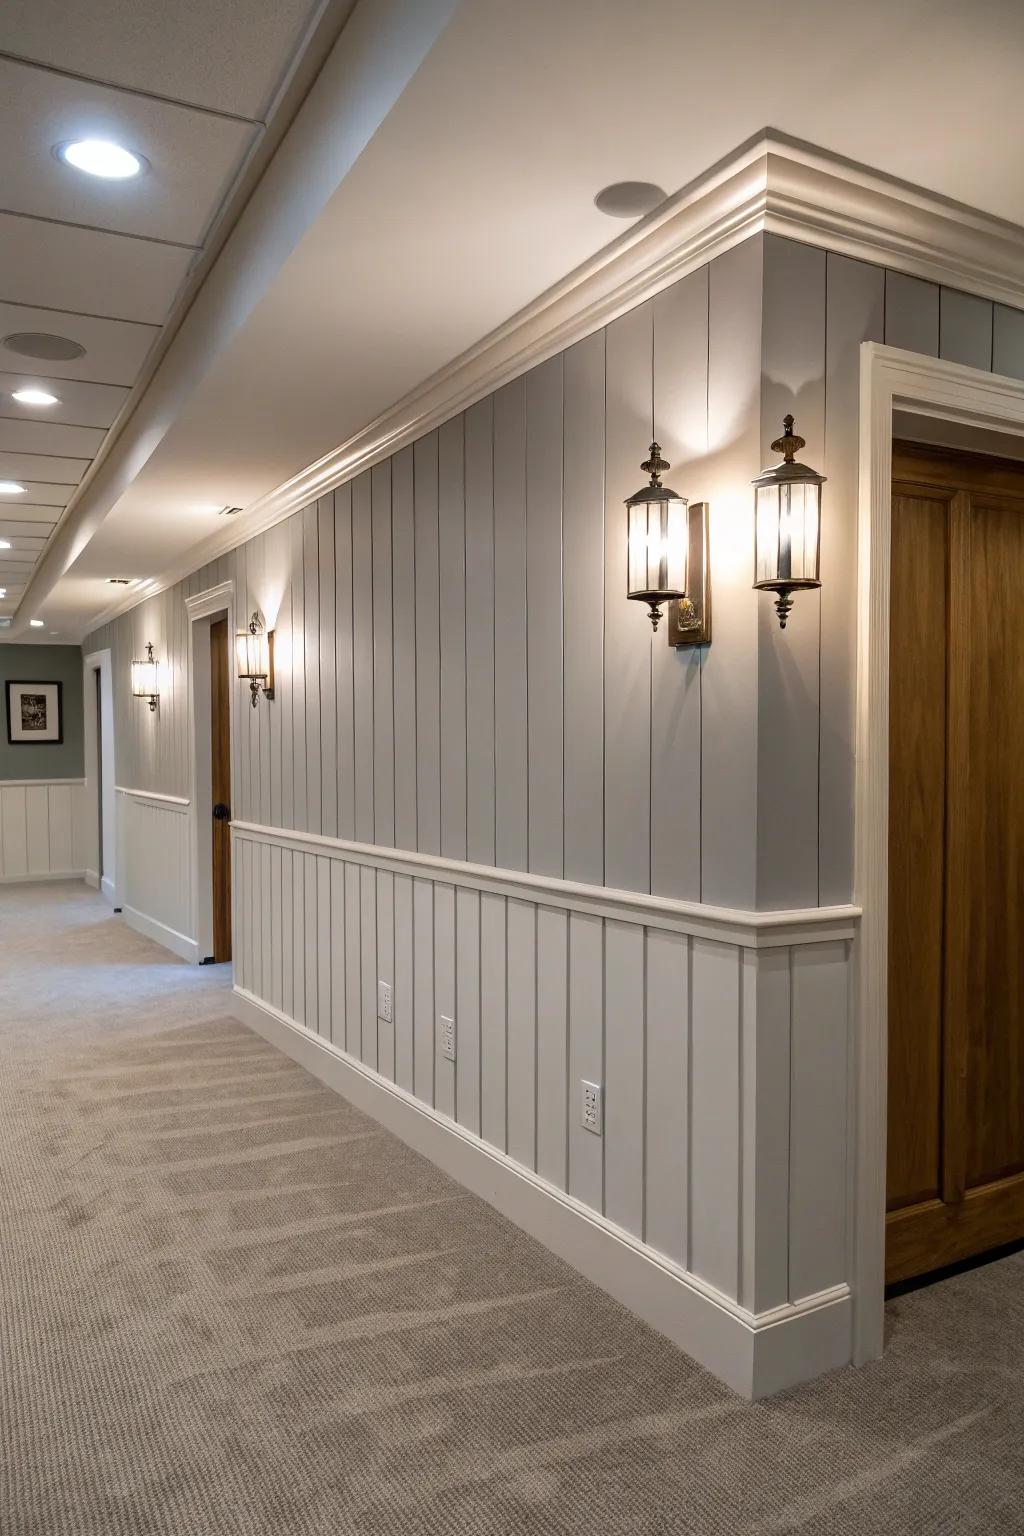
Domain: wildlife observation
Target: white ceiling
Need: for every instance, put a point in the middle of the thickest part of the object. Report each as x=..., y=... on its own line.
x=434, y=187
x=189, y=86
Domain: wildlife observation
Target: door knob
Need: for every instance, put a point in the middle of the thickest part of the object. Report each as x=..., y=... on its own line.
x=221, y=812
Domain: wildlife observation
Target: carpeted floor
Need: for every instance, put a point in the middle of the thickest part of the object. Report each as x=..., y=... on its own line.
x=232, y=1304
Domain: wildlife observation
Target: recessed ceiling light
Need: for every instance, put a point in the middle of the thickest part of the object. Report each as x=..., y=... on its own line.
x=41, y=344
x=11, y=488
x=5, y=543
x=34, y=397
x=100, y=157
x=629, y=199
x=37, y=623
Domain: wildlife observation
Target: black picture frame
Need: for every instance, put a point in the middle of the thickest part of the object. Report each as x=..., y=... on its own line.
x=34, y=682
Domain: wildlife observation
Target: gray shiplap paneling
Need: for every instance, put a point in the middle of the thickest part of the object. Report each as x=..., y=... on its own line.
x=328, y=676
x=521, y=982
x=729, y=666
x=911, y=313
x=428, y=648
x=314, y=744
x=444, y=997
x=479, y=490
x=965, y=328
x=625, y=1028
x=793, y=353
x=344, y=661
x=362, y=654
x=854, y=314
x=452, y=563
x=552, y=1044
x=404, y=646
x=511, y=793
x=544, y=438
x=1008, y=342
x=628, y=636
x=681, y=426
x=383, y=664
x=583, y=502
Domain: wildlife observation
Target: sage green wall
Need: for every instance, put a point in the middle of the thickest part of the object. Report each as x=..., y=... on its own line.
x=44, y=664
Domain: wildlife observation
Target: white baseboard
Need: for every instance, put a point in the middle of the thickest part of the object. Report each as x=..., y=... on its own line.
x=170, y=938
x=755, y=1355
x=92, y=878
x=49, y=874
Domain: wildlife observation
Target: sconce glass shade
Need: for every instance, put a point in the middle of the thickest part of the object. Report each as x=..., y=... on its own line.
x=146, y=678
x=787, y=525
x=254, y=658
x=657, y=540
x=252, y=655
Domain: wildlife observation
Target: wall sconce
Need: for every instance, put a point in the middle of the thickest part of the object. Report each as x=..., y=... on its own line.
x=146, y=678
x=787, y=523
x=667, y=556
x=254, y=654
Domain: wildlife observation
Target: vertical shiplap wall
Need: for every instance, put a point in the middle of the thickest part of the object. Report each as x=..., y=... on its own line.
x=458, y=669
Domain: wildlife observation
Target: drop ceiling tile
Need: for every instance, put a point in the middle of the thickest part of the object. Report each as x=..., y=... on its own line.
x=229, y=56
x=13, y=530
x=88, y=271
x=33, y=513
x=192, y=156
x=42, y=466
x=20, y=434
x=114, y=349
x=39, y=495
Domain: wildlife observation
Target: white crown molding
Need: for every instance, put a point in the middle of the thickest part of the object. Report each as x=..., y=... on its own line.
x=770, y=184
x=728, y=925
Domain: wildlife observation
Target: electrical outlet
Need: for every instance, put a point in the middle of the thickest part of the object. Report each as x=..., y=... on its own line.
x=384, y=1001
x=592, y=1107
x=447, y=1040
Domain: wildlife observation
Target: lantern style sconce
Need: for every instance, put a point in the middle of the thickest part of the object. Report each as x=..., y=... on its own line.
x=787, y=523
x=146, y=678
x=667, y=556
x=254, y=654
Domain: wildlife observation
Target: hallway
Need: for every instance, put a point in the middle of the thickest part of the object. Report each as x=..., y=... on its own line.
x=232, y=1305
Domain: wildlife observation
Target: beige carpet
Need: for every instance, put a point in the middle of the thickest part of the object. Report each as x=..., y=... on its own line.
x=232, y=1304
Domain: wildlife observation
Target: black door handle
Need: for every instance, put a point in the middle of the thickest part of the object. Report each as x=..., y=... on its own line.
x=221, y=812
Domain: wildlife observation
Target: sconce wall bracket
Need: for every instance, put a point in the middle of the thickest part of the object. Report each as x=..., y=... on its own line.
x=689, y=618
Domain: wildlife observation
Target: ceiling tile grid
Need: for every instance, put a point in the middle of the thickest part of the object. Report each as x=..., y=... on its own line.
x=91, y=269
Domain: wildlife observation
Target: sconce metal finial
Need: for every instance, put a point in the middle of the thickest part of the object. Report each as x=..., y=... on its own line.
x=789, y=444
x=655, y=465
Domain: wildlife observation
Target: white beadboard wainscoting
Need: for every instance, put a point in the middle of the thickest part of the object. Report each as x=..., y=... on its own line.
x=715, y=1203
x=42, y=834
x=154, y=868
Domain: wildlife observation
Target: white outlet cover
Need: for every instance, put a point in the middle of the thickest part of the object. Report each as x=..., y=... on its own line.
x=384, y=1001
x=592, y=1107
x=447, y=1037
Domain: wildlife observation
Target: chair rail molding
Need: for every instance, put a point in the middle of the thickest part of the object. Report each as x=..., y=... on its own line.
x=890, y=378
x=771, y=183
x=747, y=929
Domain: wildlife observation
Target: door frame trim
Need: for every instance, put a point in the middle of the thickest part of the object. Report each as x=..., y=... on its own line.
x=214, y=603
x=890, y=378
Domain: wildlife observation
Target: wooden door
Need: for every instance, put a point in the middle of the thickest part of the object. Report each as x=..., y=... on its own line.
x=956, y=860
x=220, y=775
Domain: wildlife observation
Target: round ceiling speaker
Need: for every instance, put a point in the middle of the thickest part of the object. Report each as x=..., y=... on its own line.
x=40, y=344
x=629, y=199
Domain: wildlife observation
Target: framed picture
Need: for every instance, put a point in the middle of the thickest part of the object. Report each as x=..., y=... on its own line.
x=35, y=713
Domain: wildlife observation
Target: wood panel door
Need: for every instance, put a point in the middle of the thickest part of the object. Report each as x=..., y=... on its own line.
x=220, y=778
x=956, y=860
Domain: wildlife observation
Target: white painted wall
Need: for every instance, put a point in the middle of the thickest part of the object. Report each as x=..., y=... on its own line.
x=42, y=829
